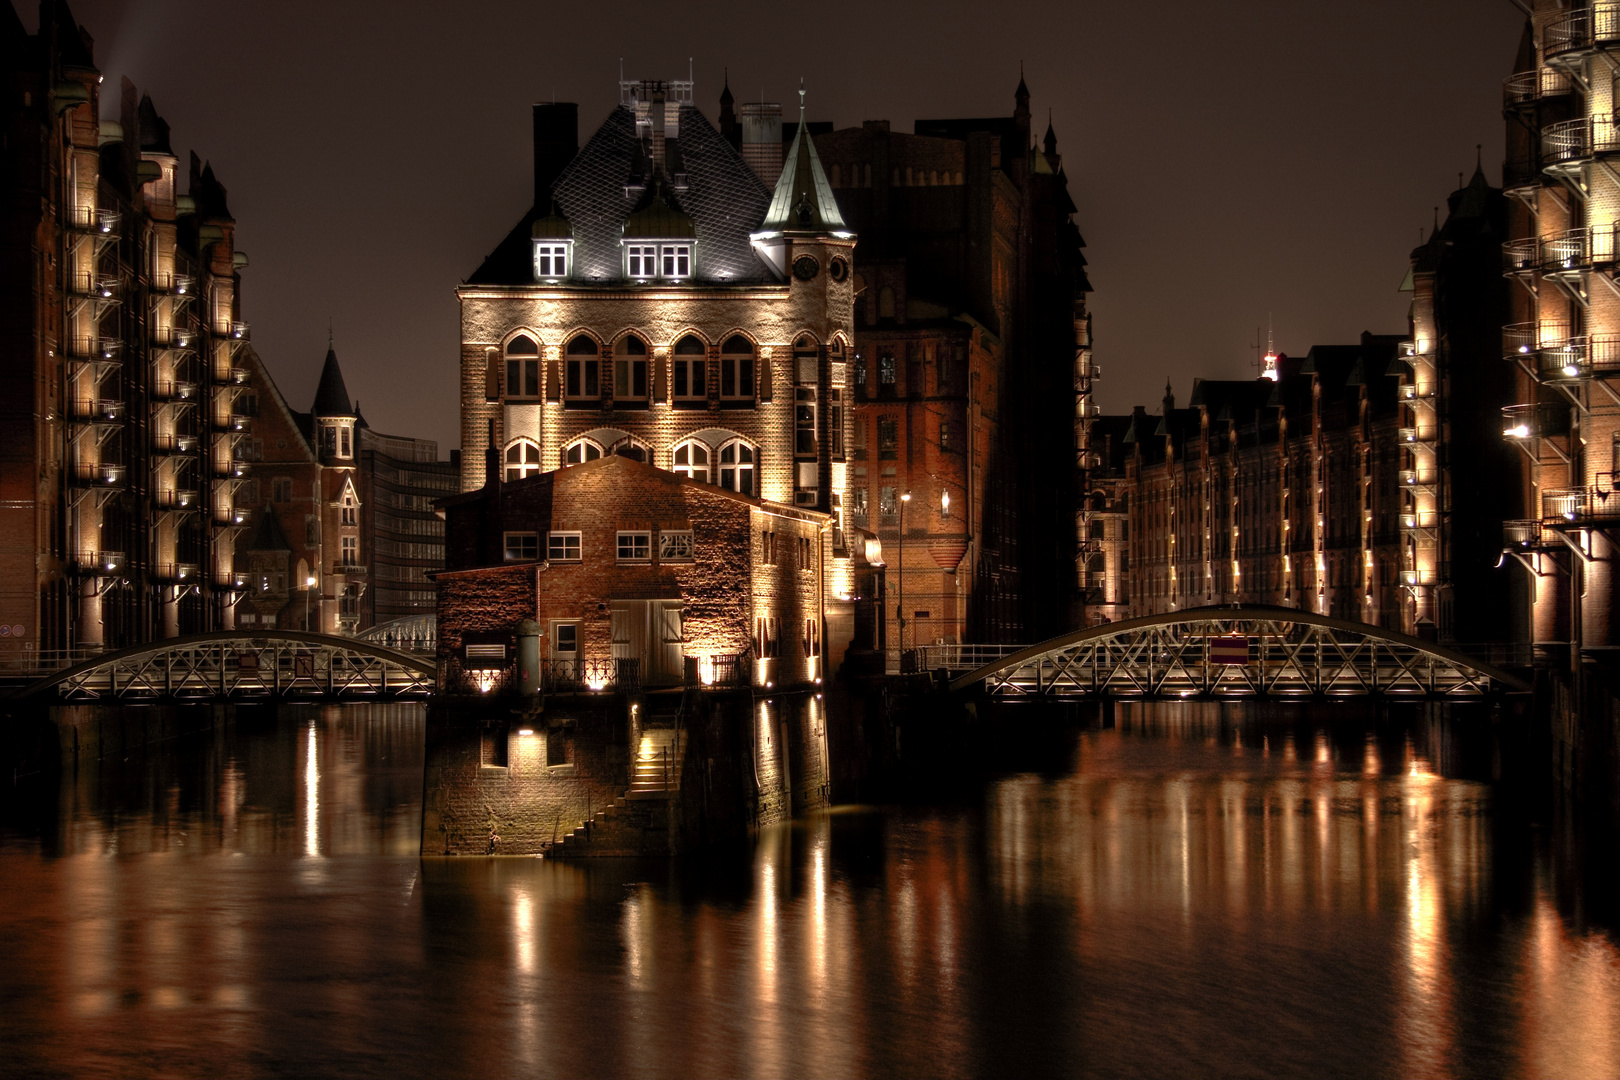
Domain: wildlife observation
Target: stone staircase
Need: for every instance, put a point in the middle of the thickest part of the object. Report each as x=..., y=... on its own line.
x=637, y=823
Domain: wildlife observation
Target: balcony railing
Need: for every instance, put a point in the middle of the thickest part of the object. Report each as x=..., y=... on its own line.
x=95, y=350
x=98, y=411
x=620, y=675
x=1571, y=359
x=1573, y=505
x=174, y=390
x=1570, y=141
x=719, y=671
x=1578, y=249
x=176, y=499
x=238, y=332
x=99, y=475
x=232, y=376
x=1414, y=436
x=1521, y=255
x=174, y=444
x=232, y=422
x=1528, y=86
x=97, y=563
x=352, y=569
x=184, y=573
x=1534, y=421
x=93, y=219
x=96, y=288
x=1524, y=533
x=1580, y=30
x=1411, y=392
x=1420, y=520
x=1414, y=480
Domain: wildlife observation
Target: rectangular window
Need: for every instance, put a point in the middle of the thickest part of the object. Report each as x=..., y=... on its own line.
x=737, y=377
x=312, y=531
x=767, y=637
x=690, y=379
x=522, y=378
x=804, y=420
x=643, y=260
x=886, y=370
x=582, y=377
x=350, y=515
x=812, y=637
x=767, y=548
x=522, y=546
x=635, y=546
x=806, y=555
x=858, y=440
x=858, y=505
x=858, y=375
x=629, y=378
x=343, y=442
x=888, y=438
x=835, y=423
x=945, y=442
x=563, y=546
x=888, y=506
x=550, y=260
x=677, y=260
x=675, y=546
x=351, y=550
x=281, y=489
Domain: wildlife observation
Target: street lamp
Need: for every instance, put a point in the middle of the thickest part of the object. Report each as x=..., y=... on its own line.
x=309, y=586
x=900, y=604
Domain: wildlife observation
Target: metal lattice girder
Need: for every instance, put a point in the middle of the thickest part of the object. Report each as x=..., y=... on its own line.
x=1291, y=654
x=246, y=664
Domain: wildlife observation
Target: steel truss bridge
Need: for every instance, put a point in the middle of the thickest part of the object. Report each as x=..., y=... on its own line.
x=1193, y=654
x=245, y=665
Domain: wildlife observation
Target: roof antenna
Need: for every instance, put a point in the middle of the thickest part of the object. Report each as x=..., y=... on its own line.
x=689, y=76
x=621, y=69
x=329, y=333
x=801, y=101
x=1270, y=348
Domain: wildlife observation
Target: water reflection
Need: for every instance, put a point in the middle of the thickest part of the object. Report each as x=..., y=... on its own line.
x=1196, y=893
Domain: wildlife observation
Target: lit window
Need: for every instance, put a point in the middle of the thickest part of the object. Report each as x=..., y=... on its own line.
x=945, y=440
x=351, y=551
x=888, y=506
x=344, y=435
x=522, y=459
x=737, y=370
x=643, y=260
x=804, y=420
x=888, y=438
x=691, y=363
x=551, y=260
x=737, y=462
x=857, y=504
x=635, y=546
x=886, y=369
x=835, y=423
x=677, y=260
x=522, y=546
x=691, y=460
x=563, y=546
x=522, y=368
x=675, y=546
x=584, y=369
x=581, y=450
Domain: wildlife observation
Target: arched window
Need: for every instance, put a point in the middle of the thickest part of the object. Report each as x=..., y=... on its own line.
x=737, y=464
x=522, y=459
x=691, y=375
x=581, y=450
x=737, y=370
x=632, y=448
x=584, y=369
x=692, y=458
x=630, y=371
x=522, y=367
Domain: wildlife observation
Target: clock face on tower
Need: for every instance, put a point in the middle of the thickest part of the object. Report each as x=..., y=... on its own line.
x=805, y=267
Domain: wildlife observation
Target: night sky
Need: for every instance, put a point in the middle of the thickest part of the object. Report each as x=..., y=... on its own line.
x=1228, y=161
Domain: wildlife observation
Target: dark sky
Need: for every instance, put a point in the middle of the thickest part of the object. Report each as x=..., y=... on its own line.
x=1229, y=160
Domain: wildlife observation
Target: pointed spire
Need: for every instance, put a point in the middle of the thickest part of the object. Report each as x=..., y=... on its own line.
x=803, y=200
x=1049, y=144
x=1021, y=95
x=725, y=90
x=331, y=396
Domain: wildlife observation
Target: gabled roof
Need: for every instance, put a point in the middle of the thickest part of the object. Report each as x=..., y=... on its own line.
x=154, y=129
x=331, y=396
x=803, y=199
x=269, y=535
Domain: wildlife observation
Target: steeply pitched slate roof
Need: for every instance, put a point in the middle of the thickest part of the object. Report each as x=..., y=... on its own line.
x=331, y=396
x=269, y=535
x=606, y=183
x=803, y=199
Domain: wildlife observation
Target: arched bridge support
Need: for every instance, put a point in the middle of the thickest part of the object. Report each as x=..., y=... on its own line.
x=245, y=665
x=1237, y=652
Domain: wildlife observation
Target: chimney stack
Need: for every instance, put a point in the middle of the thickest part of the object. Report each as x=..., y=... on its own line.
x=492, y=459
x=556, y=141
x=762, y=139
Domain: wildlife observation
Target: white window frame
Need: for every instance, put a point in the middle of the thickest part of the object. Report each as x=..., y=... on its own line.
x=564, y=545
x=349, y=550
x=634, y=545
x=675, y=261
x=675, y=545
x=525, y=466
x=512, y=546
x=736, y=467
x=703, y=473
x=589, y=450
x=641, y=261
x=551, y=259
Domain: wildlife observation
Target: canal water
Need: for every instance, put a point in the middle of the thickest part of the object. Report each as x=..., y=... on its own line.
x=1187, y=891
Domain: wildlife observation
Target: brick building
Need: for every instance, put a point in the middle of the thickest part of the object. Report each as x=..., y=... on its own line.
x=660, y=302
x=334, y=510
x=972, y=366
x=121, y=363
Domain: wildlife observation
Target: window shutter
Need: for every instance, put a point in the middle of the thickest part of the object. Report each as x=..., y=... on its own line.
x=553, y=381
x=492, y=376
x=660, y=379
x=764, y=378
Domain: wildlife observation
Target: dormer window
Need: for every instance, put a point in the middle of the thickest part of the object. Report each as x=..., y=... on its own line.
x=671, y=262
x=677, y=260
x=550, y=260
x=643, y=260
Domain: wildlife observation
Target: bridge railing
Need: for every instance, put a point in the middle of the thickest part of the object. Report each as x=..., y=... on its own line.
x=955, y=658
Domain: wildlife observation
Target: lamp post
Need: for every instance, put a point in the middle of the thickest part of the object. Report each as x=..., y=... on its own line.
x=900, y=600
x=309, y=586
